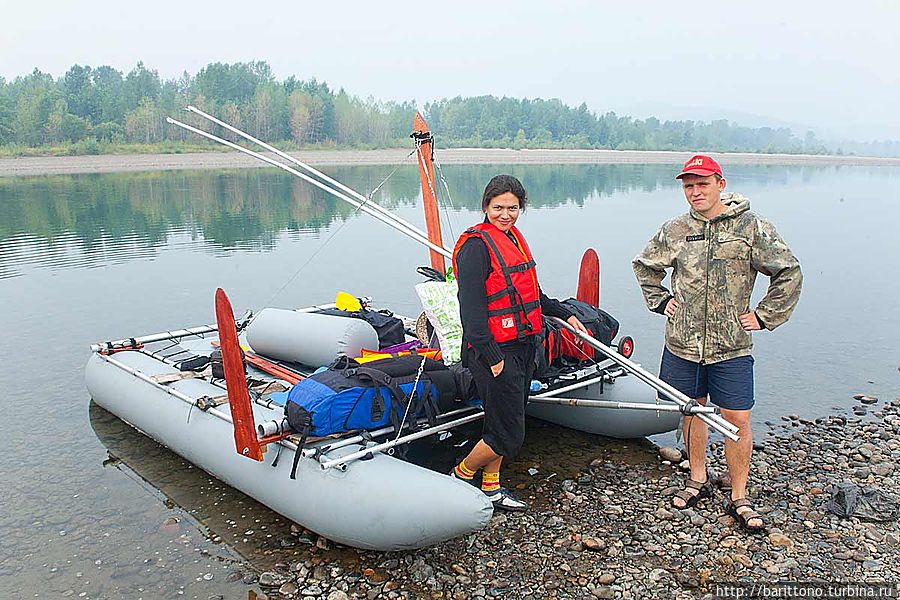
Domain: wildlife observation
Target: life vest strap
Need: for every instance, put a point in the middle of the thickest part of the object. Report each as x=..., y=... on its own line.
x=509, y=310
x=521, y=267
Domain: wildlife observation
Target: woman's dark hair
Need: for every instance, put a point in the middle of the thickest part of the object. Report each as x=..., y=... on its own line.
x=501, y=184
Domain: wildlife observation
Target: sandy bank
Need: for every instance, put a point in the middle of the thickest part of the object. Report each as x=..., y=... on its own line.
x=65, y=165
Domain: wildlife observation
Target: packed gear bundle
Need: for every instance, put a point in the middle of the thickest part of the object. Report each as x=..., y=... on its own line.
x=388, y=392
x=560, y=346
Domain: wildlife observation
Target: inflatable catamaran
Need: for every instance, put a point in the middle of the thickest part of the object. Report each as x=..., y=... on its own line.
x=226, y=396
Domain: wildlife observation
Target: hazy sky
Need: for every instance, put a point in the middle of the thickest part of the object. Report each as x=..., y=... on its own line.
x=836, y=70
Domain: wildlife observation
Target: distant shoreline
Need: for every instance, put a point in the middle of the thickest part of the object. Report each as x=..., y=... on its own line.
x=112, y=163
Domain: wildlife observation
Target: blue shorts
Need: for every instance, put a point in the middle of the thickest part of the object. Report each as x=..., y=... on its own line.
x=729, y=384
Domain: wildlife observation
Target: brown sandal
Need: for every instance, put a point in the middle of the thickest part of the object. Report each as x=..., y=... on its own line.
x=703, y=489
x=744, y=517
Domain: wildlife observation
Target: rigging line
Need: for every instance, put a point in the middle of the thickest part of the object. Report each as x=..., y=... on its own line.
x=431, y=185
x=357, y=211
x=308, y=260
x=399, y=223
x=371, y=194
x=414, y=388
x=449, y=197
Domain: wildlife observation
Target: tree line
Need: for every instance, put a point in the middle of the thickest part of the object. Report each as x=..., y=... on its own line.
x=92, y=109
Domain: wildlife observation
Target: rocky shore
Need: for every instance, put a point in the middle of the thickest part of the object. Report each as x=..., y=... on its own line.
x=608, y=531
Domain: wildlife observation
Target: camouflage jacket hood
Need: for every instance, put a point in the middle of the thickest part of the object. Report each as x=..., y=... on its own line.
x=714, y=265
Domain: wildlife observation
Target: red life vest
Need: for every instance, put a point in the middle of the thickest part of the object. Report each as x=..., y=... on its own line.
x=513, y=295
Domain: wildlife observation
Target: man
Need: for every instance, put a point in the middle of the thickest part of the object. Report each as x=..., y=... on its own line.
x=715, y=251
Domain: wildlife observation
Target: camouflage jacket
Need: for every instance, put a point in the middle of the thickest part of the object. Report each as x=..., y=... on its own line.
x=714, y=266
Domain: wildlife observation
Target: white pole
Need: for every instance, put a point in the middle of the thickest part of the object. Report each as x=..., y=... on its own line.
x=414, y=234
x=178, y=333
x=716, y=422
x=343, y=460
x=365, y=200
x=587, y=402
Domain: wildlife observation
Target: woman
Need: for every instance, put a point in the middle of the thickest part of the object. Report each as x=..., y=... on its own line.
x=501, y=307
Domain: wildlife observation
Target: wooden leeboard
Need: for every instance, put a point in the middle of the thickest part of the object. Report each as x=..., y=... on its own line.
x=245, y=439
x=429, y=195
x=589, y=278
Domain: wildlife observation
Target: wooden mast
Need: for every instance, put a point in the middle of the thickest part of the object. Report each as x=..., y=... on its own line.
x=424, y=150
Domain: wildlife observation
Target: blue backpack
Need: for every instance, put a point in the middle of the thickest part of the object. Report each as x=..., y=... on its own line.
x=349, y=396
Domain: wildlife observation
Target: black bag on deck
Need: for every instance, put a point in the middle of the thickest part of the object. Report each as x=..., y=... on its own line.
x=600, y=323
x=388, y=327
x=559, y=347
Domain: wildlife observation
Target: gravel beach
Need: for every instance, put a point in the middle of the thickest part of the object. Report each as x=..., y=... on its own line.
x=608, y=531
x=114, y=163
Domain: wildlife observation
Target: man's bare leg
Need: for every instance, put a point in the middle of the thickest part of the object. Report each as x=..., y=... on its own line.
x=696, y=435
x=737, y=455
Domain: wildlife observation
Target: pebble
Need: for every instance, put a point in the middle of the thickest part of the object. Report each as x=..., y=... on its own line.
x=612, y=518
x=670, y=454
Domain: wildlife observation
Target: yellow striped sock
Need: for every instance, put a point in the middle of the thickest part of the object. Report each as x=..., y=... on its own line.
x=464, y=472
x=490, y=481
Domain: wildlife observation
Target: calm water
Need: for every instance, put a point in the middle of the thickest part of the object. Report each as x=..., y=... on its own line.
x=89, y=506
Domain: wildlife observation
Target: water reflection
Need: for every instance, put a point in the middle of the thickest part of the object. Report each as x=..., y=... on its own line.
x=95, y=220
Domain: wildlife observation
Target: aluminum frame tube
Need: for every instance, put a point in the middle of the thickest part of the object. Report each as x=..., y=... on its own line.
x=714, y=421
x=587, y=402
x=353, y=456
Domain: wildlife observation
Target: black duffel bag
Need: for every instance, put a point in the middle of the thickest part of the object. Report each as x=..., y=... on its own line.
x=389, y=328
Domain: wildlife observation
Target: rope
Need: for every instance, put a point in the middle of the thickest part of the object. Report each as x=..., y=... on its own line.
x=371, y=194
x=414, y=387
x=369, y=197
x=449, y=197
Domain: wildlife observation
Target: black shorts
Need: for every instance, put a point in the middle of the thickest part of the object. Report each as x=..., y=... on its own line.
x=504, y=397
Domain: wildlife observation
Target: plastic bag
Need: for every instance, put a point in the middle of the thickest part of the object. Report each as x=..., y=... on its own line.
x=867, y=503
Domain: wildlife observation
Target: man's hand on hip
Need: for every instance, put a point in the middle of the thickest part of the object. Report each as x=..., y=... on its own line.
x=671, y=307
x=749, y=321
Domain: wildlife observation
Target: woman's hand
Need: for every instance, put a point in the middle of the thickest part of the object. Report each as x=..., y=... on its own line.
x=579, y=327
x=497, y=369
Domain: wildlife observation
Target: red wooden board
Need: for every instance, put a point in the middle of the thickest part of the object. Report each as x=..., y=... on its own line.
x=429, y=195
x=245, y=439
x=589, y=278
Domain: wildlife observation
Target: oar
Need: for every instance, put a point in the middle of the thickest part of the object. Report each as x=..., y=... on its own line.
x=348, y=190
x=366, y=208
x=716, y=422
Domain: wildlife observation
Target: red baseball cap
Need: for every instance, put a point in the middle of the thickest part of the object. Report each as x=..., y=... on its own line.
x=701, y=165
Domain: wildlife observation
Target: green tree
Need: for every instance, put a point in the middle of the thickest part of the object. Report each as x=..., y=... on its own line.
x=140, y=83
x=81, y=96
x=144, y=124
x=7, y=115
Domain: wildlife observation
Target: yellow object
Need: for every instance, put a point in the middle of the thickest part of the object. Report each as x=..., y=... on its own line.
x=348, y=302
x=370, y=355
